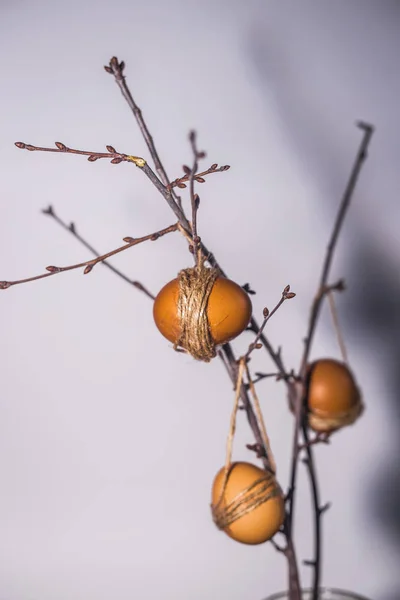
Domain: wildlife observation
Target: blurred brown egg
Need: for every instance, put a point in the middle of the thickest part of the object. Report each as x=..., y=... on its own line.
x=228, y=311
x=333, y=397
x=253, y=497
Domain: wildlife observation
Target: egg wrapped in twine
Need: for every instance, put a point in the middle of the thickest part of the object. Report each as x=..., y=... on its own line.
x=333, y=398
x=201, y=309
x=247, y=503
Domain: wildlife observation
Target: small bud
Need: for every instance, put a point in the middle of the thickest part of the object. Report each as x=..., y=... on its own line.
x=87, y=269
x=20, y=145
x=111, y=149
x=61, y=146
x=121, y=66
x=4, y=285
x=192, y=136
x=213, y=167
x=186, y=169
x=341, y=285
x=48, y=210
x=72, y=227
x=324, y=508
x=248, y=289
x=116, y=160
x=196, y=200
x=225, y=168
x=265, y=312
x=201, y=154
x=53, y=269
x=108, y=69
x=258, y=346
x=181, y=185
x=286, y=290
x=200, y=179
x=154, y=237
x=128, y=240
x=92, y=158
x=290, y=295
x=309, y=563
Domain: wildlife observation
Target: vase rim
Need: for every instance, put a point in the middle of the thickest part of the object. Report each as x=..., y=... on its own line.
x=339, y=593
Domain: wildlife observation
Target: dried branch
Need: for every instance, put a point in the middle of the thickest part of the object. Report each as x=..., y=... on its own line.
x=229, y=360
x=299, y=409
x=344, y=205
x=89, y=264
x=71, y=228
x=114, y=156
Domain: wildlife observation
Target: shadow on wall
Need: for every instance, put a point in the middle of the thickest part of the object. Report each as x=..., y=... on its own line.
x=372, y=305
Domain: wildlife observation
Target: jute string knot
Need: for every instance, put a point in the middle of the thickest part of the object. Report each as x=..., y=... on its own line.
x=328, y=423
x=195, y=285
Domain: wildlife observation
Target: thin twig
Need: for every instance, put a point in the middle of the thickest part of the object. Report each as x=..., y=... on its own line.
x=117, y=69
x=278, y=377
x=71, y=228
x=286, y=295
x=89, y=264
x=114, y=156
x=194, y=198
x=199, y=177
x=319, y=438
x=344, y=205
x=317, y=561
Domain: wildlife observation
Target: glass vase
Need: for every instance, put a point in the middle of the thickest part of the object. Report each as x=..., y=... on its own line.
x=324, y=594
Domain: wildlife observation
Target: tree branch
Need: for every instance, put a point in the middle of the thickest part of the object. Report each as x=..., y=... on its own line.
x=89, y=264
x=72, y=230
x=299, y=408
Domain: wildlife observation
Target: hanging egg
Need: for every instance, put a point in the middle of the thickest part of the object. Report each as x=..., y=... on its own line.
x=193, y=306
x=333, y=398
x=247, y=504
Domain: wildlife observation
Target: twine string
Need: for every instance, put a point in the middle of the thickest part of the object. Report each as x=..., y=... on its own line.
x=325, y=423
x=195, y=285
x=246, y=501
x=232, y=429
x=336, y=326
x=261, y=423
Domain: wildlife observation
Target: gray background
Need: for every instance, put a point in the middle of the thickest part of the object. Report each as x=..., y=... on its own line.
x=109, y=440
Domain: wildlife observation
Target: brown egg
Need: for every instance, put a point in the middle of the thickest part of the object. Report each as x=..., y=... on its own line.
x=260, y=521
x=229, y=310
x=332, y=395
